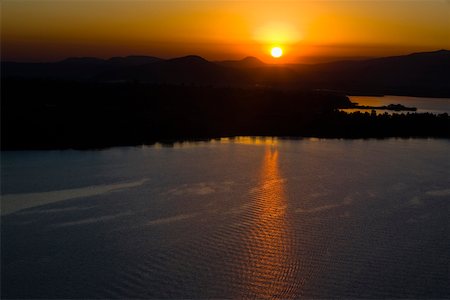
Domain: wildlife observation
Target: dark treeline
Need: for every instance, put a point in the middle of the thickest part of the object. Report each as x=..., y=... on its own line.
x=42, y=114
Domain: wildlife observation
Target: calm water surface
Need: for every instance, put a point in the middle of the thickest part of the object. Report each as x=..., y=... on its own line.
x=232, y=218
x=423, y=105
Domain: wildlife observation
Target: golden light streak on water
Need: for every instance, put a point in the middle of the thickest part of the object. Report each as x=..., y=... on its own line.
x=270, y=265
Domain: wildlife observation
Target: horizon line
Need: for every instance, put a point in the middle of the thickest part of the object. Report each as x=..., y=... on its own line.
x=324, y=58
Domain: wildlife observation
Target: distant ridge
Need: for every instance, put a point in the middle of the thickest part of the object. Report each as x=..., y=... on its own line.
x=83, y=60
x=72, y=68
x=189, y=59
x=133, y=60
x=247, y=62
x=191, y=69
x=423, y=73
x=420, y=74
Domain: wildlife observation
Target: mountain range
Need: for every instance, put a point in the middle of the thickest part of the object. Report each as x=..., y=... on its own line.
x=418, y=74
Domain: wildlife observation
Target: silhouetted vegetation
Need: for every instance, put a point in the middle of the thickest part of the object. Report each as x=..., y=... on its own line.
x=394, y=107
x=62, y=114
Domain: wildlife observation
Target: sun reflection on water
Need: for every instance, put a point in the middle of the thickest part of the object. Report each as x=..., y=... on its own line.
x=270, y=266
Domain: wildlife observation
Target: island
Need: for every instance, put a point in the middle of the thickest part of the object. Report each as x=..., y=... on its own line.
x=393, y=107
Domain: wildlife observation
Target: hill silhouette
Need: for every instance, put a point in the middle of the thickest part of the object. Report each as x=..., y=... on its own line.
x=418, y=74
x=133, y=60
x=247, y=62
x=190, y=69
x=72, y=68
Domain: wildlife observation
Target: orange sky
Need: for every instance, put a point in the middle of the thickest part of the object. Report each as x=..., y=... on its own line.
x=228, y=29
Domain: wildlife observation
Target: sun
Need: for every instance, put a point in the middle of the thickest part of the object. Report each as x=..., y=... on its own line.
x=276, y=52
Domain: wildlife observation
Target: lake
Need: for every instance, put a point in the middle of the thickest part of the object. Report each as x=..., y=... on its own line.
x=243, y=217
x=423, y=105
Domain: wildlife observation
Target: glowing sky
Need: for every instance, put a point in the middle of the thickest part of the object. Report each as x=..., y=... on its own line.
x=227, y=29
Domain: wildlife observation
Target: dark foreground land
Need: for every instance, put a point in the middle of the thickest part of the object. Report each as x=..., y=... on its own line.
x=45, y=114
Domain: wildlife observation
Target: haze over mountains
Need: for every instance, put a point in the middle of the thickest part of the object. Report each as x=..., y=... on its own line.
x=419, y=74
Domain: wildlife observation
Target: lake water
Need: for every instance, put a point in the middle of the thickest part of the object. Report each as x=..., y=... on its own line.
x=423, y=105
x=247, y=217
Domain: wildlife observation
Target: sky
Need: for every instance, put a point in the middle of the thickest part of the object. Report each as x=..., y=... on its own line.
x=42, y=30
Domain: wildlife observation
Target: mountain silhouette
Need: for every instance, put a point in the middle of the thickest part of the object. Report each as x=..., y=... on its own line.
x=83, y=61
x=247, y=62
x=190, y=69
x=426, y=73
x=72, y=68
x=133, y=60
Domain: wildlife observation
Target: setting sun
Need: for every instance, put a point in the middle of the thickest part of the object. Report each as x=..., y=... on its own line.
x=276, y=52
